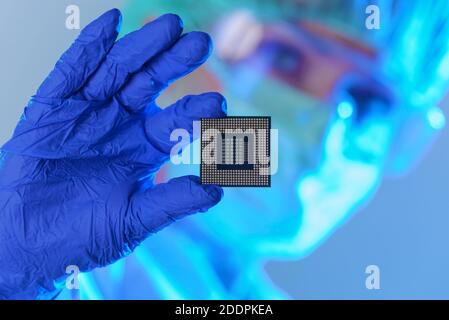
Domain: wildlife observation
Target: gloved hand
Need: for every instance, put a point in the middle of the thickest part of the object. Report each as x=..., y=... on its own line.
x=76, y=177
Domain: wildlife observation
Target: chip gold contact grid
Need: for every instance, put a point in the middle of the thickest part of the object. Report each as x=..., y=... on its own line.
x=235, y=151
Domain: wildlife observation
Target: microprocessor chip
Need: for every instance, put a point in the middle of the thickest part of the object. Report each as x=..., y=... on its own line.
x=235, y=151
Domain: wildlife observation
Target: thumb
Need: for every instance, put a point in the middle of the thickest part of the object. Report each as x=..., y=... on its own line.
x=158, y=207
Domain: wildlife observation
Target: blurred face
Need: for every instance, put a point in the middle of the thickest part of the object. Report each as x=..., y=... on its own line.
x=333, y=125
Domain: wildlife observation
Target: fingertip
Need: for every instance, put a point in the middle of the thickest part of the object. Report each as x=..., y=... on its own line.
x=188, y=52
x=114, y=13
x=215, y=192
x=111, y=19
x=215, y=103
x=174, y=23
x=182, y=115
x=119, y=19
x=194, y=179
x=111, y=16
x=211, y=194
x=175, y=19
x=83, y=57
x=196, y=46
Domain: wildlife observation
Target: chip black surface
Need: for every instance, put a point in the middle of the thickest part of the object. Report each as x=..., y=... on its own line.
x=235, y=151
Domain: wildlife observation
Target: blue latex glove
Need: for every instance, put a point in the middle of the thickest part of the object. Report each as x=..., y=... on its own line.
x=72, y=176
